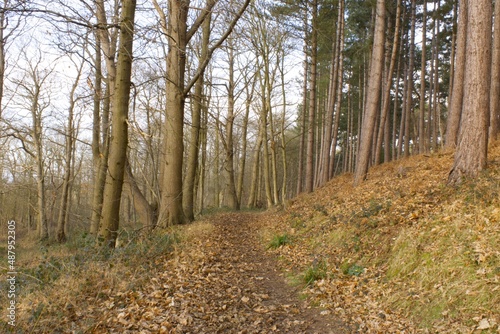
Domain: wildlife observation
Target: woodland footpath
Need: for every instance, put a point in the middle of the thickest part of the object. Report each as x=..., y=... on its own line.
x=401, y=253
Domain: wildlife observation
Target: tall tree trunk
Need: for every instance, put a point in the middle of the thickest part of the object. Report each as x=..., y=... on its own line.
x=229, y=142
x=171, y=211
x=106, y=42
x=338, y=102
x=69, y=149
x=471, y=153
x=436, y=117
x=332, y=95
x=421, y=119
x=302, y=125
x=373, y=95
x=194, y=148
x=263, y=131
x=250, y=88
x=203, y=164
x=252, y=197
x=312, y=100
x=42, y=225
x=108, y=231
x=457, y=96
x=495, y=78
x=409, y=94
x=388, y=84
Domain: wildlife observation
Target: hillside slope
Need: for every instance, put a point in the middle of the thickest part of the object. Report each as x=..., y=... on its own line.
x=403, y=252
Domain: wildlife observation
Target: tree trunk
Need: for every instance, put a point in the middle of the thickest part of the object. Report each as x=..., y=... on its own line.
x=194, y=148
x=302, y=128
x=332, y=95
x=229, y=142
x=409, y=94
x=69, y=148
x=146, y=212
x=471, y=153
x=388, y=85
x=421, y=120
x=250, y=88
x=495, y=78
x=252, y=197
x=312, y=100
x=171, y=211
x=108, y=231
x=373, y=95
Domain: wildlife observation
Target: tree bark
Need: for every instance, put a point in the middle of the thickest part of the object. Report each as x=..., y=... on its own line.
x=194, y=147
x=495, y=78
x=108, y=231
x=471, y=153
x=229, y=142
x=409, y=94
x=457, y=96
x=388, y=85
x=373, y=95
x=62, y=219
x=312, y=100
x=421, y=120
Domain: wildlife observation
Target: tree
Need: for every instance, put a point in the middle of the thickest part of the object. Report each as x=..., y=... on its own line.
x=373, y=95
x=471, y=153
x=37, y=101
x=108, y=230
x=457, y=94
x=312, y=99
x=70, y=134
x=176, y=28
x=495, y=78
x=194, y=148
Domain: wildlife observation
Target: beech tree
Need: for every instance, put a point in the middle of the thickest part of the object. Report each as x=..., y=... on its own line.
x=179, y=35
x=108, y=229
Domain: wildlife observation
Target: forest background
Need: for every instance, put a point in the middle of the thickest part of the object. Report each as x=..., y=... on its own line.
x=150, y=113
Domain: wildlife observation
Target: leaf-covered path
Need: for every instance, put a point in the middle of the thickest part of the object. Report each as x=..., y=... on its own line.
x=221, y=282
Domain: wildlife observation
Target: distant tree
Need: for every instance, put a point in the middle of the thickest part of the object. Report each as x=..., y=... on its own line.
x=471, y=153
x=69, y=152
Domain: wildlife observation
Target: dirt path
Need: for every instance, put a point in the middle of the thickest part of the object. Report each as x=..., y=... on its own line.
x=272, y=304
x=223, y=282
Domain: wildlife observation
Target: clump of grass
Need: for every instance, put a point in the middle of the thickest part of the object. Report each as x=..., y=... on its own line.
x=354, y=270
x=317, y=271
x=279, y=240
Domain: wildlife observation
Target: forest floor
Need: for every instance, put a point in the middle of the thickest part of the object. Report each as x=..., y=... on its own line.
x=401, y=253
x=221, y=281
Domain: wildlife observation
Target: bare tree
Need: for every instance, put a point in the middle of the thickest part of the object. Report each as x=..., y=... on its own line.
x=108, y=230
x=70, y=136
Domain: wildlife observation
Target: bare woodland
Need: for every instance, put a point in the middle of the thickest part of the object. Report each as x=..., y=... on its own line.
x=150, y=113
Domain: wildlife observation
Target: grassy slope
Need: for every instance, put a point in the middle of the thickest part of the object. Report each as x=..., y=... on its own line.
x=403, y=251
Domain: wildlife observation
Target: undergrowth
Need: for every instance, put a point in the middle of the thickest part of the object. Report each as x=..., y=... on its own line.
x=56, y=282
x=425, y=251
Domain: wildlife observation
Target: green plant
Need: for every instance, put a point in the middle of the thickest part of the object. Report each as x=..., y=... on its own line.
x=355, y=270
x=279, y=240
x=373, y=209
x=317, y=271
